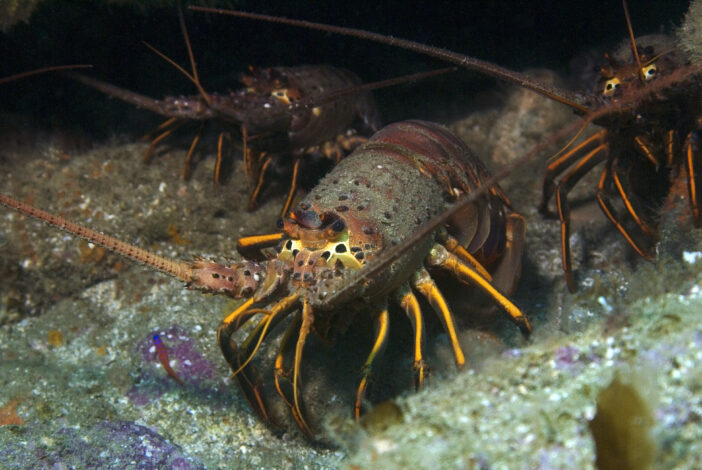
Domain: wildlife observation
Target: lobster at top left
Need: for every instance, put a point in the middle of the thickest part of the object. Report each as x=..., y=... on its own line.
x=264, y=116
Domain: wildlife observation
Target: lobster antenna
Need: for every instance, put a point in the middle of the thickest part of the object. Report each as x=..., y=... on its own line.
x=191, y=56
x=193, y=77
x=21, y=75
x=632, y=38
x=168, y=266
x=117, y=92
x=335, y=95
x=461, y=60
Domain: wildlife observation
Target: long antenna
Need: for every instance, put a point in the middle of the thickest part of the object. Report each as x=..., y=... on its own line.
x=632, y=38
x=193, y=77
x=168, y=266
x=459, y=59
x=21, y=75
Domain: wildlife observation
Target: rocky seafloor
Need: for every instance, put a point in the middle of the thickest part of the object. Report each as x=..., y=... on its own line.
x=81, y=385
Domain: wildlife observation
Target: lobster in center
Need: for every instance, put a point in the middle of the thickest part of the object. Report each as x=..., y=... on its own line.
x=386, y=191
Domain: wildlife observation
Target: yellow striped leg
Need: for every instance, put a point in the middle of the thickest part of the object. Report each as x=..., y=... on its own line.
x=307, y=320
x=280, y=372
x=454, y=247
x=440, y=257
x=409, y=303
x=381, y=324
x=427, y=287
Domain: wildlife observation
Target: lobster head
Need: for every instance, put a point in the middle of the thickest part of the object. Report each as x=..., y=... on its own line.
x=621, y=75
x=325, y=245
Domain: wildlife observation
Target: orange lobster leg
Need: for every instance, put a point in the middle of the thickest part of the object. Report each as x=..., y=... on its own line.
x=423, y=282
x=381, y=324
x=670, y=147
x=441, y=258
x=293, y=187
x=410, y=305
x=571, y=178
x=307, y=320
x=454, y=247
x=220, y=158
x=279, y=367
x=611, y=212
x=250, y=247
x=692, y=157
x=624, y=194
x=249, y=382
x=191, y=151
x=160, y=137
x=643, y=145
x=259, y=184
x=559, y=165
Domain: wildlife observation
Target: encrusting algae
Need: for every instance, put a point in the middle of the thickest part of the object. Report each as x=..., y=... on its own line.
x=622, y=428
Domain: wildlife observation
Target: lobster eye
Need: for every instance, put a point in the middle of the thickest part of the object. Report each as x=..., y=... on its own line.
x=280, y=224
x=338, y=226
x=611, y=86
x=281, y=95
x=649, y=71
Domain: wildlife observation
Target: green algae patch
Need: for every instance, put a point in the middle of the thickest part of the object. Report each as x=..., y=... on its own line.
x=621, y=428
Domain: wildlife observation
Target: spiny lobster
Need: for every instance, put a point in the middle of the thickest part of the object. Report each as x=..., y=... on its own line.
x=648, y=102
x=281, y=113
x=365, y=237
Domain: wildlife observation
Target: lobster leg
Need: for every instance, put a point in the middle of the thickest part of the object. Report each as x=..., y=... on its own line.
x=191, y=151
x=455, y=247
x=583, y=166
x=159, y=138
x=670, y=147
x=559, y=165
x=410, y=305
x=624, y=192
x=643, y=146
x=692, y=162
x=259, y=184
x=611, y=212
x=218, y=164
x=250, y=247
x=249, y=381
x=293, y=187
x=381, y=324
x=267, y=323
x=164, y=125
x=280, y=373
x=422, y=281
x=305, y=327
x=441, y=258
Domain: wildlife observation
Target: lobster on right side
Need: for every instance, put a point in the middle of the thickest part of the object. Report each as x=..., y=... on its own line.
x=648, y=101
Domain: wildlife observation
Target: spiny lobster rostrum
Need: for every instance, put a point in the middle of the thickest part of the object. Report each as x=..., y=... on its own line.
x=333, y=262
